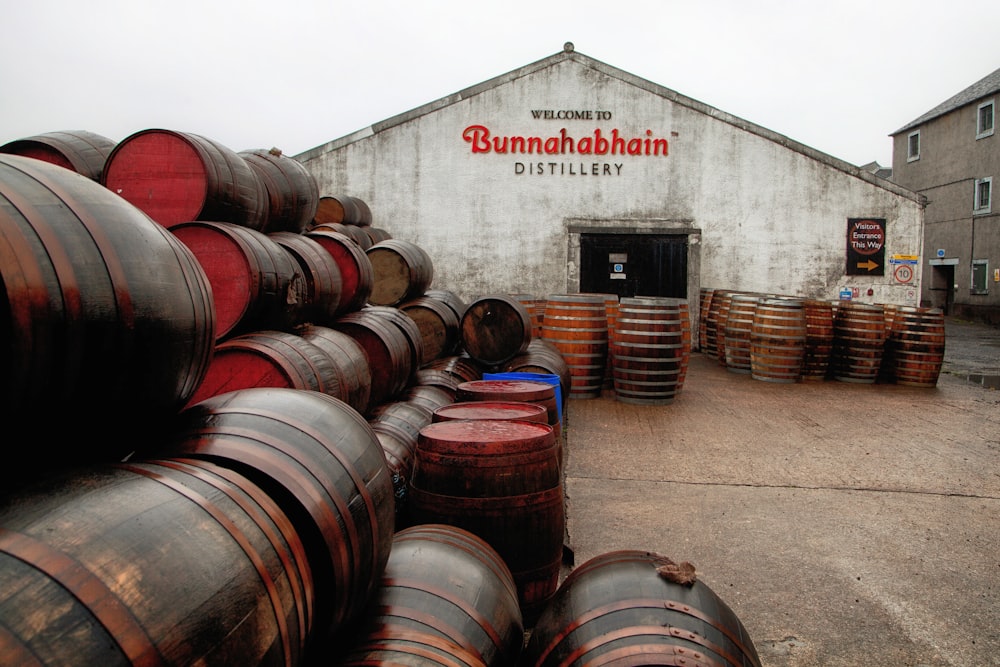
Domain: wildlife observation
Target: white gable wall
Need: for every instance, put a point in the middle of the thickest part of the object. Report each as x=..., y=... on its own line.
x=763, y=213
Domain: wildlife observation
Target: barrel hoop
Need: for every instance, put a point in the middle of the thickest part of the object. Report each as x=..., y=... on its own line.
x=451, y=598
x=229, y=527
x=90, y=590
x=647, y=603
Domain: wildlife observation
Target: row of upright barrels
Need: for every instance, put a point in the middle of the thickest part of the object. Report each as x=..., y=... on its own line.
x=639, y=347
x=780, y=338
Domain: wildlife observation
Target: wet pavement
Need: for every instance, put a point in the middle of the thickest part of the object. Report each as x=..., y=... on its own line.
x=844, y=523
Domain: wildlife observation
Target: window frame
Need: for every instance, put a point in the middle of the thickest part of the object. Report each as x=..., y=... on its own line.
x=980, y=184
x=981, y=132
x=984, y=273
x=911, y=155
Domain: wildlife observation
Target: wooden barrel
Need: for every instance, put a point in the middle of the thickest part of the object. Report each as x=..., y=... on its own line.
x=858, y=342
x=256, y=283
x=356, y=274
x=320, y=273
x=323, y=464
x=343, y=209
x=160, y=561
x=628, y=608
x=721, y=319
x=704, y=305
x=538, y=392
x=403, y=271
x=819, y=339
x=397, y=425
x=438, y=378
x=450, y=299
x=777, y=340
x=530, y=303
x=503, y=410
x=446, y=583
x=500, y=480
x=357, y=235
x=78, y=150
x=390, y=356
x=495, y=328
x=410, y=330
x=377, y=234
x=350, y=360
x=649, y=350
x=739, y=323
x=462, y=367
x=292, y=192
x=429, y=396
x=268, y=358
x=543, y=357
x=103, y=308
x=178, y=176
x=915, y=344
x=577, y=325
x=438, y=325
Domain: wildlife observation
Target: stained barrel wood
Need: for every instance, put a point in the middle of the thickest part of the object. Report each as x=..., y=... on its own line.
x=390, y=356
x=269, y=358
x=356, y=274
x=739, y=324
x=438, y=324
x=777, y=340
x=323, y=465
x=577, y=325
x=915, y=345
x=78, y=150
x=292, y=192
x=321, y=276
x=621, y=608
x=256, y=283
x=446, y=583
x=161, y=561
x=351, y=361
x=500, y=480
x=858, y=342
x=403, y=271
x=495, y=328
x=103, y=307
x=179, y=176
x=819, y=339
x=650, y=350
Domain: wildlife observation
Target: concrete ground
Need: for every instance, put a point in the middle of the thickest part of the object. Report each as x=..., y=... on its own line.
x=845, y=524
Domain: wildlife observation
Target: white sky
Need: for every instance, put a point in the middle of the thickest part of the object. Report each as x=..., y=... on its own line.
x=836, y=75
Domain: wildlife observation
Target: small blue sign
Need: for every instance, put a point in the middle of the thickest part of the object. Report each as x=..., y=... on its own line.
x=619, y=268
x=846, y=294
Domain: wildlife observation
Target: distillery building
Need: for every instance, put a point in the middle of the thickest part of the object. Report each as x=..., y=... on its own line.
x=570, y=175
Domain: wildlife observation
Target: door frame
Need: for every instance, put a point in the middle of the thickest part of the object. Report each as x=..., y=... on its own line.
x=576, y=227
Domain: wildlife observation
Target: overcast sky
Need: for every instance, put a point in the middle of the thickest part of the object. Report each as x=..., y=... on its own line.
x=839, y=76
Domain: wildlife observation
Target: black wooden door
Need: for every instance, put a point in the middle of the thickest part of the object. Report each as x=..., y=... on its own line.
x=634, y=264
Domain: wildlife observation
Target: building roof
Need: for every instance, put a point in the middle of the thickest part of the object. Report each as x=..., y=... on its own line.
x=984, y=87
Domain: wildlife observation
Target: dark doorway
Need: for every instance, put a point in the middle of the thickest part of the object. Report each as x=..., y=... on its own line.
x=634, y=264
x=942, y=287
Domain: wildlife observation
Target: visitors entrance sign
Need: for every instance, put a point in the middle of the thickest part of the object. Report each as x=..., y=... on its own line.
x=866, y=246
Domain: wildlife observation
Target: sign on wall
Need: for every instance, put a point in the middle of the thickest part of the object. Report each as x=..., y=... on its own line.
x=866, y=246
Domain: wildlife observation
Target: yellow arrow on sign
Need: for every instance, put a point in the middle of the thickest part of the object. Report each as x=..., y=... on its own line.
x=870, y=265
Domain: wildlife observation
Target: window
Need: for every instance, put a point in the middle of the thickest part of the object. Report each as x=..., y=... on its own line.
x=913, y=146
x=983, y=188
x=980, y=272
x=984, y=120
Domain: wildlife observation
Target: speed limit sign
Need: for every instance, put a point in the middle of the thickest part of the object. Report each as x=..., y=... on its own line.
x=903, y=273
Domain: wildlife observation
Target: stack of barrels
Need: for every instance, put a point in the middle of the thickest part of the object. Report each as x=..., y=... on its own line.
x=779, y=338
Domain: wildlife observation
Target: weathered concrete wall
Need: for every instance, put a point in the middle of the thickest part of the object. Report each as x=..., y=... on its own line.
x=766, y=214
